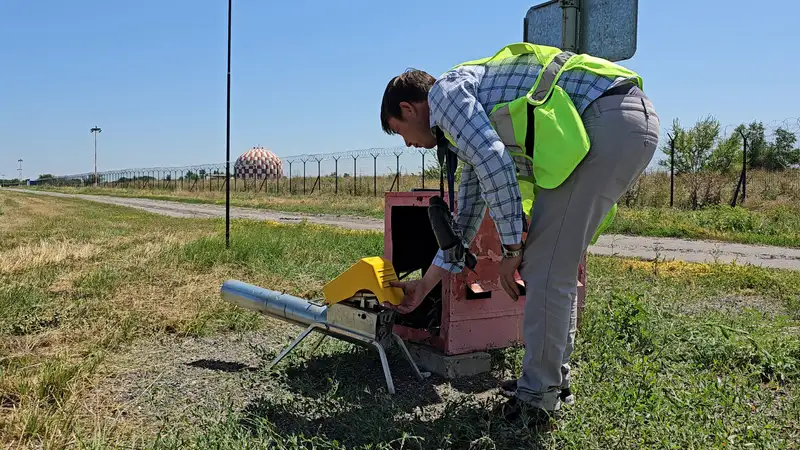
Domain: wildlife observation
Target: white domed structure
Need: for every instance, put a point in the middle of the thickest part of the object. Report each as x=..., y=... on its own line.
x=258, y=163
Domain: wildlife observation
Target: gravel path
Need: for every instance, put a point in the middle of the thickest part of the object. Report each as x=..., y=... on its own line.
x=619, y=245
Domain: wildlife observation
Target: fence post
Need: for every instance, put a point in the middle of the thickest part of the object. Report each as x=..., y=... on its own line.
x=422, y=152
x=397, y=155
x=744, y=166
x=743, y=175
x=304, y=177
x=318, y=181
x=374, y=174
x=290, y=177
x=355, y=187
x=336, y=173
x=671, y=171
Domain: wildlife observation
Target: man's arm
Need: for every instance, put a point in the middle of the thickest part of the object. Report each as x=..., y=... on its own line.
x=471, y=207
x=456, y=110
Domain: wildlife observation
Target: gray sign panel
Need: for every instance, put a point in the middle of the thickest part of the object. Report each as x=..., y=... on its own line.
x=543, y=24
x=607, y=28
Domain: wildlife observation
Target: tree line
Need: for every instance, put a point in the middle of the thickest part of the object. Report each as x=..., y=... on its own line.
x=704, y=148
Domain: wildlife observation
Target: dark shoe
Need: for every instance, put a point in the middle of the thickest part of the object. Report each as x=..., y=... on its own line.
x=566, y=396
x=515, y=409
x=508, y=388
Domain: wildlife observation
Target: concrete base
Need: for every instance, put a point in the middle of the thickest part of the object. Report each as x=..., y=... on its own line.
x=455, y=366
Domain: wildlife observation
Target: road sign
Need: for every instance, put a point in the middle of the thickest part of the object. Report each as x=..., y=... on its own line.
x=602, y=28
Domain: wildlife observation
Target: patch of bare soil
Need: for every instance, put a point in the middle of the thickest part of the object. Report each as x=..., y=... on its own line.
x=181, y=381
x=188, y=384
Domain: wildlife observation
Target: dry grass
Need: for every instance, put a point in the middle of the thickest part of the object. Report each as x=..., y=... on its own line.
x=130, y=346
x=317, y=203
x=79, y=281
x=20, y=259
x=73, y=290
x=19, y=210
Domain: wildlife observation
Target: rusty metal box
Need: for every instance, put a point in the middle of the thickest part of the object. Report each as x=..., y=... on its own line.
x=467, y=312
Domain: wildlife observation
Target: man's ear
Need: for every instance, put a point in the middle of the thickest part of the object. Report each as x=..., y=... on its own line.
x=407, y=111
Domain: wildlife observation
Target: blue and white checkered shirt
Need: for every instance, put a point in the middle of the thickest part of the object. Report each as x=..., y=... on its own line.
x=459, y=104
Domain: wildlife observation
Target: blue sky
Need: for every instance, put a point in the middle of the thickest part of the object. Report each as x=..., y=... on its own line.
x=308, y=76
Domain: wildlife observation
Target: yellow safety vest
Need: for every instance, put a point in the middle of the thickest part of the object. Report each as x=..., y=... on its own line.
x=547, y=113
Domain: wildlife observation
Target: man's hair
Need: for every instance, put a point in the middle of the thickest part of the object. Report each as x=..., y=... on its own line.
x=410, y=86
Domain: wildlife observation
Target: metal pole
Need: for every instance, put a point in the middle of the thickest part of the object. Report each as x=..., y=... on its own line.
x=398, y=171
x=671, y=171
x=744, y=166
x=569, y=38
x=319, y=174
x=228, y=141
x=423, y=169
x=336, y=174
x=94, y=131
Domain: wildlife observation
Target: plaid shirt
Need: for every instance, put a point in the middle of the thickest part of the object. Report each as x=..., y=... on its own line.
x=459, y=104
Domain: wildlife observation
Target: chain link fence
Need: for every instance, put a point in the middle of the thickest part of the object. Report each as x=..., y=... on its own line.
x=704, y=165
x=359, y=173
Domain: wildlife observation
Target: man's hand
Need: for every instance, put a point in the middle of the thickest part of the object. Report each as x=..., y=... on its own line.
x=414, y=295
x=507, y=268
x=416, y=290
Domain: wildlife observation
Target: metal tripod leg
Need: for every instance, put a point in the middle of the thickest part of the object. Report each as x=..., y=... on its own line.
x=385, y=363
x=403, y=347
x=293, y=345
x=316, y=346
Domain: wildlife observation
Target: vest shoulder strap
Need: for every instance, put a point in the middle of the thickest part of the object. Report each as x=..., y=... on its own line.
x=547, y=78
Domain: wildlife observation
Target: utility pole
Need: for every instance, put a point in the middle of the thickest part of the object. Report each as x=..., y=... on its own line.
x=95, y=130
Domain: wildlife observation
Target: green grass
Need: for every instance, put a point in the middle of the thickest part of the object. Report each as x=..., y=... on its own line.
x=763, y=223
x=669, y=354
x=658, y=366
x=774, y=225
x=79, y=280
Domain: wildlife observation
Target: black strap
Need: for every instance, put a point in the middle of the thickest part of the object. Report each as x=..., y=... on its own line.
x=449, y=162
x=529, y=132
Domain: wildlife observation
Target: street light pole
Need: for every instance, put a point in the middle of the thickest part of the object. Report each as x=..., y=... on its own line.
x=95, y=130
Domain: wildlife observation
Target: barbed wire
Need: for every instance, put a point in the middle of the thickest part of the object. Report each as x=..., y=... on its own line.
x=219, y=167
x=791, y=124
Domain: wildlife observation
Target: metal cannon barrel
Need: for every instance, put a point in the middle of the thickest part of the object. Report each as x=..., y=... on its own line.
x=283, y=306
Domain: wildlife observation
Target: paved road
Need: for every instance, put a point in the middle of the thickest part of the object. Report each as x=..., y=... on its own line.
x=630, y=246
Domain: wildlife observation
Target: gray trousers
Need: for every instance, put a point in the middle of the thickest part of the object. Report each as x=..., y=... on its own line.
x=623, y=131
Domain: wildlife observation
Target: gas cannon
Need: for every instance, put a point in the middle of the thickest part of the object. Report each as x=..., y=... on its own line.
x=350, y=310
x=450, y=333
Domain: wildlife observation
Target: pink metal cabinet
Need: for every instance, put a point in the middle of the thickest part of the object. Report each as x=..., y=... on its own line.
x=476, y=313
